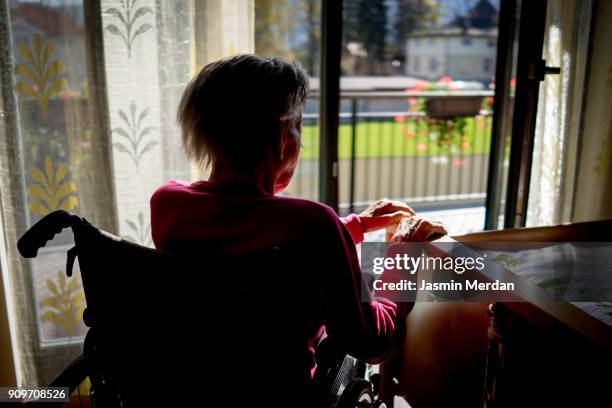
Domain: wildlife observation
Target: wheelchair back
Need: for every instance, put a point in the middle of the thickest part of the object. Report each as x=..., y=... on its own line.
x=193, y=326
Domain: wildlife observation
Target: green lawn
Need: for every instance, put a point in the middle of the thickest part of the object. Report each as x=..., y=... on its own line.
x=393, y=139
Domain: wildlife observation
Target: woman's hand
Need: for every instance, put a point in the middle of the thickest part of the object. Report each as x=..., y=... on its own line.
x=384, y=213
x=415, y=229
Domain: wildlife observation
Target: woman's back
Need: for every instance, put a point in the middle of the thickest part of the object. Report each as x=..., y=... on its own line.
x=275, y=312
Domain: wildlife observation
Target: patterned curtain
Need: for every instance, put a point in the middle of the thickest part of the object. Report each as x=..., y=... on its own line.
x=87, y=124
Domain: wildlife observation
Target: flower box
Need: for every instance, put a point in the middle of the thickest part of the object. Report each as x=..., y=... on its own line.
x=446, y=107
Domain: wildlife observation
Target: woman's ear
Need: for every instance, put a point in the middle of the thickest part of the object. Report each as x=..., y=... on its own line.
x=284, y=139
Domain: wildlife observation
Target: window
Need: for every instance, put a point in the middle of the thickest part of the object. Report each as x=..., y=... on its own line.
x=433, y=65
x=486, y=65
x=291, y=29
x=398, y=146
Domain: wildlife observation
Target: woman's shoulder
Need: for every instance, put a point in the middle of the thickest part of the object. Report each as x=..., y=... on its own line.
x=309, y=210
x=304, y=204
x=171, y=186
x=169, y=190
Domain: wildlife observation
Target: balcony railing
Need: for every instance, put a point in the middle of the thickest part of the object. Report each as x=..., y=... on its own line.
x=401, y=154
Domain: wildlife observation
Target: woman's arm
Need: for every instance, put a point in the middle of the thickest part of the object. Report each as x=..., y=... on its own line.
x=354, y=227
x=367, y=328
x=383, y=213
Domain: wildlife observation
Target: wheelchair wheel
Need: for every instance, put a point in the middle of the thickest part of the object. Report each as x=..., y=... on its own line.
x=358, y=394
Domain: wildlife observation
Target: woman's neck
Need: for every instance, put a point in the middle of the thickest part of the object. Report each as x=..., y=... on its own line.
x=256, y=177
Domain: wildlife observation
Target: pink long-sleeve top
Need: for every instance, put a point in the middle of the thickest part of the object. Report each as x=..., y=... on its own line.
x=237, y=219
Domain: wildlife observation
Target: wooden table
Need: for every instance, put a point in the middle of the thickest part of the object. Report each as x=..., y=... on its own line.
x=529, y=352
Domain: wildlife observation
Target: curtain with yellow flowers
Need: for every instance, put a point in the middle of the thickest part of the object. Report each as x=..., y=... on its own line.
x=89, y=96
x=51, y=162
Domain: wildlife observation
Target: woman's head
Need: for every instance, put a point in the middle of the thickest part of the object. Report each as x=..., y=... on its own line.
x=244, y=112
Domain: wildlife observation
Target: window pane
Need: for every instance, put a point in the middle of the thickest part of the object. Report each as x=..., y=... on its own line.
x=416, y=106
x=291, y=29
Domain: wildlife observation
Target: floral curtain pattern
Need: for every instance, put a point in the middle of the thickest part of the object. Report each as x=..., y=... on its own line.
x=52, y=158
x=132, y=85
x=149, y=58
x=58, y=156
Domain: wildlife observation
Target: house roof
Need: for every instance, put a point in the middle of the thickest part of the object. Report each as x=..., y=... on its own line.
x=483, y=16
x=480, y=21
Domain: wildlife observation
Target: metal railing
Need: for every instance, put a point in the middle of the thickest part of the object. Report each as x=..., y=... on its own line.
x=401, y=154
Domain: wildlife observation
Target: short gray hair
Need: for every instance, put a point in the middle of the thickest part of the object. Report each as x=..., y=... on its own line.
x=233, y=108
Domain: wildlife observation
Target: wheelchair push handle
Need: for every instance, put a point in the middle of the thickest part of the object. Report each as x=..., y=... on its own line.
x=44, y=230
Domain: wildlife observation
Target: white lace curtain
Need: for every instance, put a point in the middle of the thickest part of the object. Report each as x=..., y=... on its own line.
x=558, y=132
x=593, y=197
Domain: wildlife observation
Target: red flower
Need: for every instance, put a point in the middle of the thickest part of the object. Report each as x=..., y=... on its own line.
x=419, y=86
x=445, y=79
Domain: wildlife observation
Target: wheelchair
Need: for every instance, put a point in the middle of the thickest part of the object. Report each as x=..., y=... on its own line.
x=162, y=331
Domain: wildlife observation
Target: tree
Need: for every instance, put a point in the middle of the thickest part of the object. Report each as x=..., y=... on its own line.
x=289, y=29
x=273, y=25
x=313, y=27
x=365, y=22
x=413, y=15
x=306, y=36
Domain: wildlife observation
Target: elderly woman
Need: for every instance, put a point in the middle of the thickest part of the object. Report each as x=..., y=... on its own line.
x=242, y=117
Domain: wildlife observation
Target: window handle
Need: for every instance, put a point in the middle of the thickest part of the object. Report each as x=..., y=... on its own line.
x=551, y=70
x=541, y=70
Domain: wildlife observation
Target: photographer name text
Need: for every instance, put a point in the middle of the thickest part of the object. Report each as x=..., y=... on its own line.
x=408, y=285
